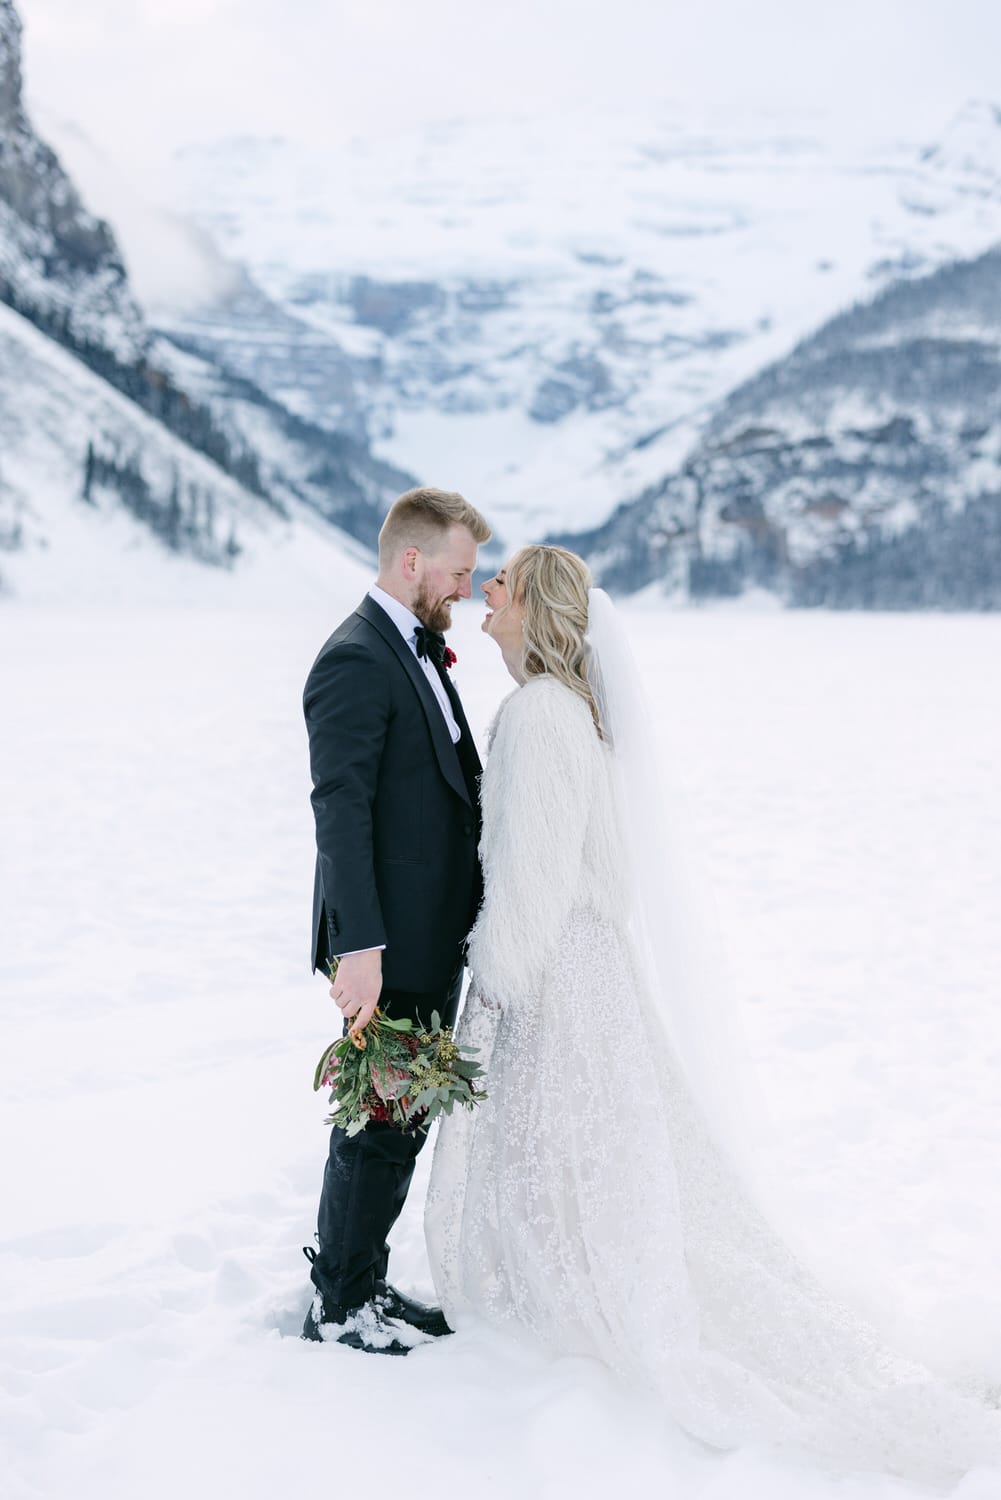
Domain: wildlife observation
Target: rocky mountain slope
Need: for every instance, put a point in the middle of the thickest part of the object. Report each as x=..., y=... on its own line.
x=864, y=469
x=98, y=411
x=59, y=265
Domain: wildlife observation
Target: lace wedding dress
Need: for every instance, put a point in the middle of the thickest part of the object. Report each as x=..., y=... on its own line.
x=584, y=1203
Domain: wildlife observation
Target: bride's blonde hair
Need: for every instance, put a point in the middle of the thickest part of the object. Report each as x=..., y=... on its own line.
x=552, y=584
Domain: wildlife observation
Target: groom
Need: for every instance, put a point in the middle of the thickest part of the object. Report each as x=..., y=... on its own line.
x=396, y=802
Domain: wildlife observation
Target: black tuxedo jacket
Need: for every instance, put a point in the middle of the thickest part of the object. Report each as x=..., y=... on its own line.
x=396, y=807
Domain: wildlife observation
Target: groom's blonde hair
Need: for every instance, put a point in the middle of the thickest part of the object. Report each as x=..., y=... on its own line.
x=422, y=517
x=552, y=584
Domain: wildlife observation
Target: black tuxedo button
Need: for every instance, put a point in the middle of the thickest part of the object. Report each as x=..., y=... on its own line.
x=466, y=828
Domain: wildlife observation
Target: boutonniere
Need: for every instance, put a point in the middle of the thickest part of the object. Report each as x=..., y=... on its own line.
x=450, y=657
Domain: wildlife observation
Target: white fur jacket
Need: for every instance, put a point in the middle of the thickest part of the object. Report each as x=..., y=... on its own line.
x=550, y=844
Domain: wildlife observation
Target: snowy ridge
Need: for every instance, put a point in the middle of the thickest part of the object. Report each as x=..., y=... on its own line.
x=554, y=308
x=59, y=546
x=967, y=159
x=864, y=469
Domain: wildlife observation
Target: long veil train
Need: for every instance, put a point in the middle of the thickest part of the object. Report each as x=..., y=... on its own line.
x=598, y=1199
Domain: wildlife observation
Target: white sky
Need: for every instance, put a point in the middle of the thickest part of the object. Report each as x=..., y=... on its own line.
x=142, y=76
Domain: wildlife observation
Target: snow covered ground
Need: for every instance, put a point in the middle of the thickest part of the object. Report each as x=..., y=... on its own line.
x=163, y=1148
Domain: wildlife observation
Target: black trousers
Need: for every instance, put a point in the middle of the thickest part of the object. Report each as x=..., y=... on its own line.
x=365, y=1182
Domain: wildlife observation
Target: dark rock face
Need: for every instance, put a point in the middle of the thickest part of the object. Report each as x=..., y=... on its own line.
x=863, y=470
x=10, y=62
x=580, y=380
x=72, y=241
x=646, y=289
x=392, y=306
x=56, y=260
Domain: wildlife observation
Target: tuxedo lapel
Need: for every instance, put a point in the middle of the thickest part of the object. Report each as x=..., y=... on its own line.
x=459, y=712
x=444, y=750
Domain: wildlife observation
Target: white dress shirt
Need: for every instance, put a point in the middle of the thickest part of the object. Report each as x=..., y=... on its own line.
x=406, y=623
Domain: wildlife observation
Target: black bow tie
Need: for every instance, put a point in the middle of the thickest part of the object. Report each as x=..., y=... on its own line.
x=431, y=645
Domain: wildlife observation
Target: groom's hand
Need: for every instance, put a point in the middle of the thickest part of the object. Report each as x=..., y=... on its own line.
x=358, y=985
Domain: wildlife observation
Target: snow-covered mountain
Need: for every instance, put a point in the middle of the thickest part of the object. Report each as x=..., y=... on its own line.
x=113, y=439
x=548, y=313
x=100, y=502
x=557, y=316
x=863, y=469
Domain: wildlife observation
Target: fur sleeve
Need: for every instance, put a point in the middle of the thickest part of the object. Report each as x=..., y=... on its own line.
x=538, y=790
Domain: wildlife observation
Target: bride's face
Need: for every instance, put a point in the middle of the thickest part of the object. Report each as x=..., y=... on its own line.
x=505, y=618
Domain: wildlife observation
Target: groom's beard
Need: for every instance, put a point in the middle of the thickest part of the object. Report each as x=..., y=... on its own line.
x=433, y=613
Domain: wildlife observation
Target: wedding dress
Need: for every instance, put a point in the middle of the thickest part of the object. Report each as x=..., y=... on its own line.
x=584, y=1203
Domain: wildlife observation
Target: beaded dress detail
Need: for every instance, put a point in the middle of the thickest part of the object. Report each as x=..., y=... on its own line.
x=583, y=1203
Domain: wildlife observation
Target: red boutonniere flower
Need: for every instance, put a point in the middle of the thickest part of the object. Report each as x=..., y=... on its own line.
x=450, y=657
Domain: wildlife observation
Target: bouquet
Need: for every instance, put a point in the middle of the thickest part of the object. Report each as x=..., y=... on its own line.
x=396, y=1072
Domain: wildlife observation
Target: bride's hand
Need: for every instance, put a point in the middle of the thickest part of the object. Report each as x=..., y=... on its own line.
x=477, y=999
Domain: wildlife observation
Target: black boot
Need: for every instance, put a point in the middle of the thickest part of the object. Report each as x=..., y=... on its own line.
x=403, y=1309
x=367, y=1328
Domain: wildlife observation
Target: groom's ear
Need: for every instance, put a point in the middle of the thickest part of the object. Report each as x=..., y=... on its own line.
x=408, y=562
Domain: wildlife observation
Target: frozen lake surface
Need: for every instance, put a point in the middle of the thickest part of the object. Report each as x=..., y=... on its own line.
x=163, y=1145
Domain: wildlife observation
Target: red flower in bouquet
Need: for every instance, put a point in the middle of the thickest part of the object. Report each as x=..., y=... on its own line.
x=391, y=1072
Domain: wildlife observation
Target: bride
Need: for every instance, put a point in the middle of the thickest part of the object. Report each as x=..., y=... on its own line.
x=594, y=1201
